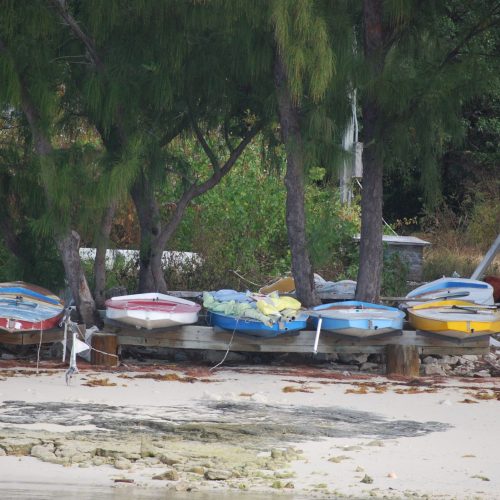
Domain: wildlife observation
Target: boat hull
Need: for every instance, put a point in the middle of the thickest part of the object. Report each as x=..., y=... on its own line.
x=152, y=310
x=254, y=327
x=25, y=307
x=358, y=319
x=441, y=318
x=469, y=290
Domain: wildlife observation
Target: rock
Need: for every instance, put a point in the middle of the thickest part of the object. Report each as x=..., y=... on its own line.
x=169, y=475
x=19, y=446
x=392, y=475
x=351, y=359
x=78, y=458
x=469, y=357
x=7, y=356
x=367, y=479
x=149, y=461
x=464, y=370
x=369, y=366
x=2, y=452
x=123, y=464
x=197, y=469
x=482, y=374
x=277, y=454
x=429, y=360
x=449, y=360
x=218, y=475
x=434, y=369
x=98, y=461
x=169, y=460
x=66, y=451
x=42, y=452
x=345, y=369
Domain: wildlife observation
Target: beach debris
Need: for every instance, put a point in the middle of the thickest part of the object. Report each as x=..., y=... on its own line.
x=291, y=388
x=99, y=382
x=468, y=401
x=123, y=480
x=338, y=459
x=376, y=442
x=359, y=469
x=392, y=475
x=483, y=395
x=171, y=377
x=352, y=448
x=367, y=479
x=469, y=456
x=478, y=476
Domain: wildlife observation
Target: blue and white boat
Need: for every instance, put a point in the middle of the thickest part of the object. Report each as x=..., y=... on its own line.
x=255, y=327
x=470, y=290
x=357, y=319
x=26, y=307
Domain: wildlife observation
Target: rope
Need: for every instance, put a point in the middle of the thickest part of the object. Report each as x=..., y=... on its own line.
x=383, y=220
x=245, y=279
x=227, y=352
x=39, y=348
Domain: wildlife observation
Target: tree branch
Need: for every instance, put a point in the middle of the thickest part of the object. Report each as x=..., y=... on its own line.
x=63, y=10
x=199, y=134
x=196, y=190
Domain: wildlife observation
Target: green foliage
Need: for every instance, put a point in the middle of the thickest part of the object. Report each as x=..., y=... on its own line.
x=394, y=275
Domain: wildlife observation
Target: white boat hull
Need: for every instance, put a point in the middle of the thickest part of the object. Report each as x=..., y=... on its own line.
x=151, y=320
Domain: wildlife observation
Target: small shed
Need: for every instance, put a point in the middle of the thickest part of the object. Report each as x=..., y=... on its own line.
x=409, y=248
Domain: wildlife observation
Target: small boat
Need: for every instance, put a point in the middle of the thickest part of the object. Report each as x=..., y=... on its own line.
x=459, y=319
x=357, y=319
x=26, y=307
x=452, y=288
x=255, y=327
x=152, y=310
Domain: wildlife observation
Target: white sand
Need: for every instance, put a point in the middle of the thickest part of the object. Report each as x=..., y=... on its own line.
x=461, y=462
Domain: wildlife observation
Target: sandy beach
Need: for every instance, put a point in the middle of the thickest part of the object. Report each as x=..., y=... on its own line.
x=249, y=432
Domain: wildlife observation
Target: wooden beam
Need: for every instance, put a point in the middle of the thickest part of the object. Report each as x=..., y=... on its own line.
x=208, y=338
x=32, y=337
x=487, y=260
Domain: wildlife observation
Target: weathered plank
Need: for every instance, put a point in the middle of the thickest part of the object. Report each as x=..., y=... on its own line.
x=33, y=337
x=204, y=337
x=402, y=360
x=104, y=349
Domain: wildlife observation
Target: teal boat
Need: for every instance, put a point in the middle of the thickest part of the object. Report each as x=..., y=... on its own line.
x=357, y=319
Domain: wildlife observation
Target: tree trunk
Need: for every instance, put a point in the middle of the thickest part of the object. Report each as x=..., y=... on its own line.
x=294, y=181
x=371, y=249
x=68, y=245
x=100, y=256
x=151, y=278
x=66, y=241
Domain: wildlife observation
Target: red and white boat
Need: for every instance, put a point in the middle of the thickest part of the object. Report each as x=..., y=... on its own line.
x=152, y=310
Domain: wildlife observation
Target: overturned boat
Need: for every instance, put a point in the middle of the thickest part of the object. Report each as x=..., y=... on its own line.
x=459, y=319
x=357, y=319
x=152, y=310
x=26, y=307
x=466, y=289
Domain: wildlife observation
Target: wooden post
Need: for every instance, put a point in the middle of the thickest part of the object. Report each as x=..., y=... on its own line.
x=107, y=348
x=402, y=360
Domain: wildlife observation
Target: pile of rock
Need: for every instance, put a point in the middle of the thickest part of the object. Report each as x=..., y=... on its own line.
x=468, y=365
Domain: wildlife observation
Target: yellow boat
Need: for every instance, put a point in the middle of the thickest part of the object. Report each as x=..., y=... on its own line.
x=455, y=318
